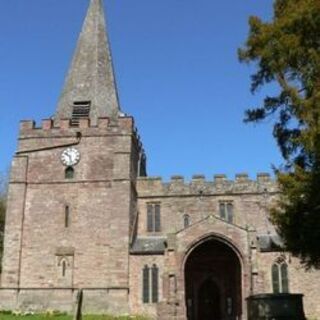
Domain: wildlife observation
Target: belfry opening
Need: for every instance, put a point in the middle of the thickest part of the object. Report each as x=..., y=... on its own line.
x=213, y=282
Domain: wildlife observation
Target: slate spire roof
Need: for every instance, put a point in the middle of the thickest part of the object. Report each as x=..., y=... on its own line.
x=90, y=85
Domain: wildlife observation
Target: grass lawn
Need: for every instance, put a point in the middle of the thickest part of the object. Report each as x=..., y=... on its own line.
x=4, y=316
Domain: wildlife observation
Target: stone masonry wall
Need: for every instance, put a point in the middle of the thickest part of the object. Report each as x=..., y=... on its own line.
x=200, y=200
x=95, y=245
x=137, y=263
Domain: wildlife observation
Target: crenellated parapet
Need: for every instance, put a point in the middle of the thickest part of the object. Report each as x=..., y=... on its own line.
x=54, y=133
x=63, y=128
x=199, y=186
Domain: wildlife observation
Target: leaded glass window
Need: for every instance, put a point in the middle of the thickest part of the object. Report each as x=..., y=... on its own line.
x=155, y=283
x=145, y=285
x=150, y=284
x=280, y=281
x=275, y=278
x=157, y=224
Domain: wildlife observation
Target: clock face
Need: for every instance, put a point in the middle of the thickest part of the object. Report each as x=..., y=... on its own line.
x=70, y=157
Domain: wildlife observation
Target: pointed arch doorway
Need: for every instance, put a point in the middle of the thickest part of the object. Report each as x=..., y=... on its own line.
x=213, y=282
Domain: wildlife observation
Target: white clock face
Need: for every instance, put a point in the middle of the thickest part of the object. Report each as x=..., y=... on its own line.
x=70, y=157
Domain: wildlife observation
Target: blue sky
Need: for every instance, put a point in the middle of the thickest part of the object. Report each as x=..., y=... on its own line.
x=177, y=73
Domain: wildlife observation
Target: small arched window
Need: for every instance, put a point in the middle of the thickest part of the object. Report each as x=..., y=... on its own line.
x=280, y=281
x=69, y=173
x=186, y=220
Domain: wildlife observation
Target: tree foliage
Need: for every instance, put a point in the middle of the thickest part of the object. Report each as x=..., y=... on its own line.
x=286, y=51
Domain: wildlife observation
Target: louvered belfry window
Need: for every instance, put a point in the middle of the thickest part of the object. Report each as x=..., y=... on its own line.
x=81, y=110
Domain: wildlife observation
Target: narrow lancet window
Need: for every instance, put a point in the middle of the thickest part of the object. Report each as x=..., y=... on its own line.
x=157, y=218
x=145, y=285
x=150, y=225
x=155, y=283
x=275, y=278
x=67, y=217
x=284, y=278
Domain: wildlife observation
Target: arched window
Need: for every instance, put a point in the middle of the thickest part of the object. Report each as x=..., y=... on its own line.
x=284, y=277
x=280, y=281
x=186, y=220
x=69, y=173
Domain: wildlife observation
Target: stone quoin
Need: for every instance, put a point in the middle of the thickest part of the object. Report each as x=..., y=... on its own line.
x=83, y=214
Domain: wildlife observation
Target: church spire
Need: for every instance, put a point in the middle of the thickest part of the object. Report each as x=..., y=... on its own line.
x=90, y=88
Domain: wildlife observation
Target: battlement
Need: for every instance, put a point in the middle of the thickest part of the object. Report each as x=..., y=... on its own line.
x=198, y=185
x=64, y=128
x=29, y=126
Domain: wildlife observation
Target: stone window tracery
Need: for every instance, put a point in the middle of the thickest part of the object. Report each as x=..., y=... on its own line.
x=150, y=284
x=280, y=281
x=64, y=268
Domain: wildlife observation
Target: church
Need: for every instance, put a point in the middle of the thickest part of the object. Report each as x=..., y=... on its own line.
x=82, y=213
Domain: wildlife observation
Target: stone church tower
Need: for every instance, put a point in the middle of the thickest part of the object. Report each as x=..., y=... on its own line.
x=82, y=214
x=72, y=193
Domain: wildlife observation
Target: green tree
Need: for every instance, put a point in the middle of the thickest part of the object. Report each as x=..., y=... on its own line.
x=286, y=51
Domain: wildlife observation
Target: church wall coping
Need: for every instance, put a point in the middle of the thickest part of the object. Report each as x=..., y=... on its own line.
x=200, y=186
